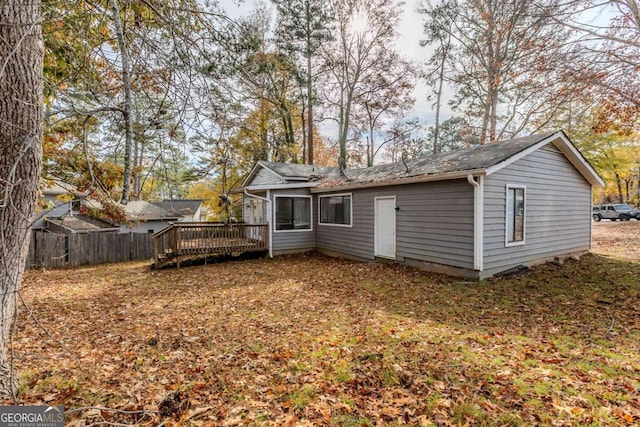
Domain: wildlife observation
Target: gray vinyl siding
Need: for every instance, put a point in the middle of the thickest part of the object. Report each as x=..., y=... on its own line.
x=265, y=177
x=557, y=211
x=292, y=240
x=434, y=224
x=355, y=241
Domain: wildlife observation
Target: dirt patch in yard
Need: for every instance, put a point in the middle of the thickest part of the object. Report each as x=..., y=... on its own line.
x=619, y=239
x=312, y=340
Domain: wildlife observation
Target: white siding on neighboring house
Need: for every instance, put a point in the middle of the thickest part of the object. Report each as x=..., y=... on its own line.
x=557, y=211
x=145, y=226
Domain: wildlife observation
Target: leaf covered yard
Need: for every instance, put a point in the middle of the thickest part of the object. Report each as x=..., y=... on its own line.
x=312, y=340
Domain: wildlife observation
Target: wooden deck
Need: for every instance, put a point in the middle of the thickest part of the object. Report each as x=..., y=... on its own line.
x=183, y=241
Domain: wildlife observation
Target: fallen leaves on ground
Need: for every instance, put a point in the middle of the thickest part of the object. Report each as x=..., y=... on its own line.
x=620, y=239
x=312, y=340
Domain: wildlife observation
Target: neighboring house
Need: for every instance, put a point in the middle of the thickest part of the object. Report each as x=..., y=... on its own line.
x=78, y=224
x=61, y=212
x=58, y=199
x=189, y=210
x=145, y=217
x=474, y=212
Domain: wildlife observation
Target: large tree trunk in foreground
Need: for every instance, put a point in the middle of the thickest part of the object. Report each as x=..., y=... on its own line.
x=21, y=114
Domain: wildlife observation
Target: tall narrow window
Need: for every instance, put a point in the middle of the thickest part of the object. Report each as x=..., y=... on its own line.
x=293, y=213
x=515, y=215
x=335, y=209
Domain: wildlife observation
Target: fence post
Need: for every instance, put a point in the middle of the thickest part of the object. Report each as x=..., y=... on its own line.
x=66, y=249
x=178, y=231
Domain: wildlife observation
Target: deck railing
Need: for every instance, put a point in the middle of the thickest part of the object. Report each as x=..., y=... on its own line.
x=184, y=239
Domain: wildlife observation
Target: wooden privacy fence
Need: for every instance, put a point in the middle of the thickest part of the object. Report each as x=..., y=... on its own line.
x=191, y=240
x=60, y=250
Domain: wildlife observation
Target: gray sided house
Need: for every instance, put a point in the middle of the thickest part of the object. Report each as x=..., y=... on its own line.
x=474, y=212
x=58, y=199
x=145, y=217
x=189, y=210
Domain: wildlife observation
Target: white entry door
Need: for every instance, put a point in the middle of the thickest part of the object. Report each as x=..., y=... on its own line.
x=385, y=227
x=256, y=212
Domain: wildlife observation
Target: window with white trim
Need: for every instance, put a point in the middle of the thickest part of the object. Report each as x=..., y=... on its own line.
x=335, y=209
x=293, y=213
x=515, y=215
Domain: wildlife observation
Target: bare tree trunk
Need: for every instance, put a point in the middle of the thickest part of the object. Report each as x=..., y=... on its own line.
x=345, y=110
x=493, y=123
x=436, y=130
x=341, y=125
x=127, y=107
x=619, y=187
x=638, y=185
x=485, y=119
x=21, y=116
x=303, y=122
x=138, y=153
x=627, y=188
x=309, y=111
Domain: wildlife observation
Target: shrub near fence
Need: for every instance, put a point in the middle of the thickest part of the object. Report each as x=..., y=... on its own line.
x=51, y=250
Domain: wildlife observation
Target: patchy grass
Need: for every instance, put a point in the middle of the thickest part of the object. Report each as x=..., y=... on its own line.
x=311, y=340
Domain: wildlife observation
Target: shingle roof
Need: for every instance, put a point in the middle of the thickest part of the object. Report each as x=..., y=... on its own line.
x=466, y=159
x=476, y=160
x=292, y=170
x=80, y=224
x=180, y=207
x=57, y=187
x=139, y=210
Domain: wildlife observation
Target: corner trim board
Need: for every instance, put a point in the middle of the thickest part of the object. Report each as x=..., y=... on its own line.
x=478, y=221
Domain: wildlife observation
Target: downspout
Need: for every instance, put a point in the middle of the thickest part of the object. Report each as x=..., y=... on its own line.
x=591, y=217
x=478, y=221
x=269, y=222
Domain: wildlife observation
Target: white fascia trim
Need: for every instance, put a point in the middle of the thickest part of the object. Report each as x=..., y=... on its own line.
x=569, y=150
x=281, y=186
x=402, y=181
x=478, y=221
x=251, y=174
x=560, y=140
